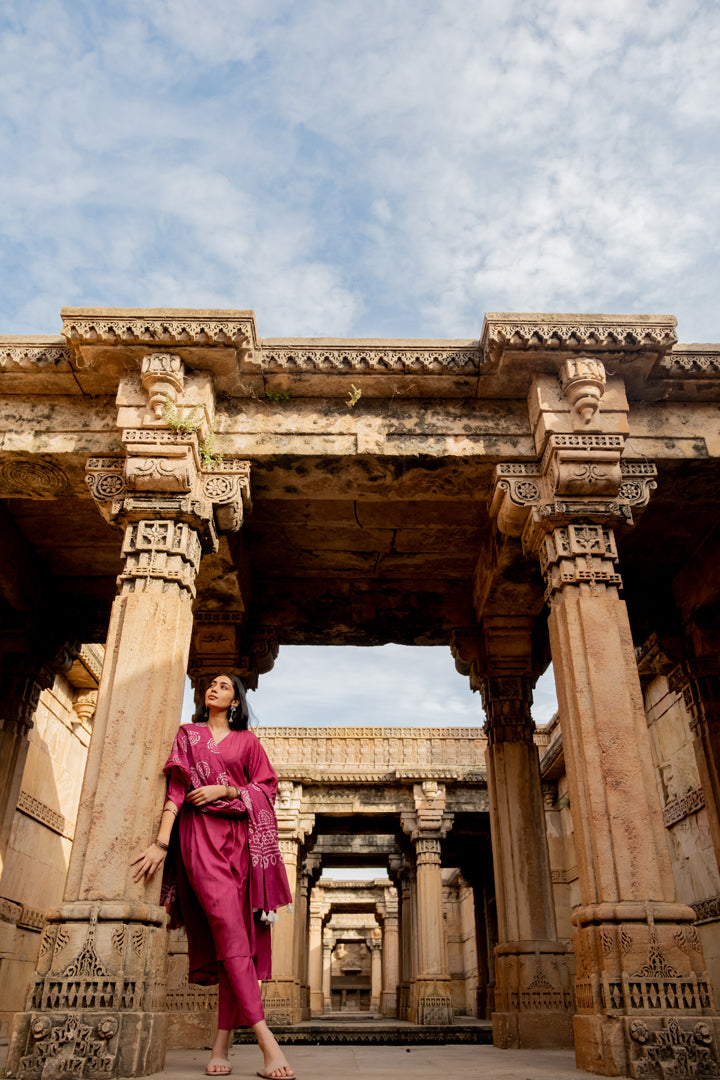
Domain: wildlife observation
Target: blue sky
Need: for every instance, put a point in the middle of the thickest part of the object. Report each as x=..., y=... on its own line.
x=362, y=168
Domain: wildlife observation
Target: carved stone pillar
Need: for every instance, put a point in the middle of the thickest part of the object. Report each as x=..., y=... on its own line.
x=318, y=911
x=430, y=997
x=327, y=969
x=400, y=872
x=99, y=989
x=643, y=998
x=376, y=963
x=533, y=1000
x=309, y=872
x=96, y=1003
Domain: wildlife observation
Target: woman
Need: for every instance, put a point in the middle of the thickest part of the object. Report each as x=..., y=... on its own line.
x=225, y=874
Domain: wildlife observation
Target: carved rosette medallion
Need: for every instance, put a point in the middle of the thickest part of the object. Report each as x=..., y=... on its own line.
x=27, y=478
x=227, y=486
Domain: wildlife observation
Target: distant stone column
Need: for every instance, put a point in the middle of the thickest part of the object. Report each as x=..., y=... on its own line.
x=376, y=956
x=327, y=969
x=430, y=997
x=388, y=1005
x=318, y=910
x=308, y=873
x=533, y=1003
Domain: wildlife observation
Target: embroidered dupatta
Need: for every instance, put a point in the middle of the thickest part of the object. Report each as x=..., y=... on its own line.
x=198, y=760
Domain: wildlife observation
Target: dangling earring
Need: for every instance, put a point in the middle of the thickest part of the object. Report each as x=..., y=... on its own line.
x=232, y=713
x=206, y=713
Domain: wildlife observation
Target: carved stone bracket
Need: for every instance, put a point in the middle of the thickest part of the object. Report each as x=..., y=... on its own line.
x=227, y=486
x=162, y=472
x=580, y=476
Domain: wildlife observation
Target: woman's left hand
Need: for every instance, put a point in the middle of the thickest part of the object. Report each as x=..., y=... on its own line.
x=210, y=793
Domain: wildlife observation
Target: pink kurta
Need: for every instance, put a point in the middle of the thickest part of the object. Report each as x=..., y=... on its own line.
x=213, y=873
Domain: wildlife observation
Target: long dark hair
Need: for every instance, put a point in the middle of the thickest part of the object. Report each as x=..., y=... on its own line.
x=238, y=715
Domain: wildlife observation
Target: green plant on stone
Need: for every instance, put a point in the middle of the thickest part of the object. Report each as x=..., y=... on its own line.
x=185, y=423
x=209, y=459
x=276, y=395
x=354, y=395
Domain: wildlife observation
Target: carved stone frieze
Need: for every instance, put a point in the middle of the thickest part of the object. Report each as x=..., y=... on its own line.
x=645, y=964
x=29, y=356
x=99, y=965
x=681, y=808
x=435, y=358
x=688, y=362
x=32, y=807
x=576, y=333
x=159, y=328
x=707, y=910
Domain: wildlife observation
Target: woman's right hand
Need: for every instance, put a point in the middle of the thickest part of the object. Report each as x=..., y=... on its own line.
x=150, y=861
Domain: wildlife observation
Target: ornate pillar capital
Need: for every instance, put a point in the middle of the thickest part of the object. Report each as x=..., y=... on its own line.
x=507, y=703
x=169, y=469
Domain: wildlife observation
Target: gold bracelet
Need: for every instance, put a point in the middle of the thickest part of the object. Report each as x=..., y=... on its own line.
x=170, y=810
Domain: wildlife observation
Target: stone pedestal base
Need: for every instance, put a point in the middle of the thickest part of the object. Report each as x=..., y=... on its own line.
x=282, y=1001
x=430, y=1002
x=388, y=1003
x=645, y=1004
x=648, y=1047
x=96, y=1006
x=317, y=1003
x=87, y=1043
x=533, y=998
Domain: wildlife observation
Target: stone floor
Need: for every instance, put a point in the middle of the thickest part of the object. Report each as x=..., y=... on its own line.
x=389, y=1062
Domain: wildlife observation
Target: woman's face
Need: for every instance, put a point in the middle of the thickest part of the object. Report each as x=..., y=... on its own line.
x=220, y=694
